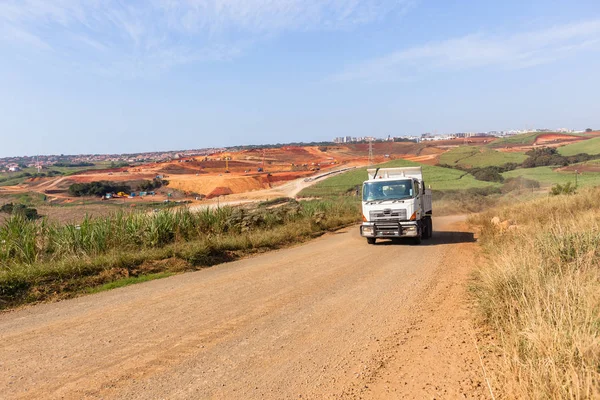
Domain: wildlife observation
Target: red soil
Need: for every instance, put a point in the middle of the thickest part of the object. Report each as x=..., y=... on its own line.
x=557, y=138
x=219, y=191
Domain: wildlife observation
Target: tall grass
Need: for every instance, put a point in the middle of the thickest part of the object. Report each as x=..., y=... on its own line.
x=39, y=259
x=540, y=295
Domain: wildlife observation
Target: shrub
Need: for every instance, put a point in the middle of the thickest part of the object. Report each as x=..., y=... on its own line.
x=488, y=174
x=519, y=183
x=155, y=183
x=546, y=156
x=28, y=213
x=567, y=188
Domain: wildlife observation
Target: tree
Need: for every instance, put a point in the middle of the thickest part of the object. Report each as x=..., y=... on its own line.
x=589, y=130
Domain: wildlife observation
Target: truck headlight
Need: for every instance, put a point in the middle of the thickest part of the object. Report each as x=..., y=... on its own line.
x=367, y=230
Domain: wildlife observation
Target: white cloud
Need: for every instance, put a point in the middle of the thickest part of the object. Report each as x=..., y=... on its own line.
x=164, y=33
x=513, y=51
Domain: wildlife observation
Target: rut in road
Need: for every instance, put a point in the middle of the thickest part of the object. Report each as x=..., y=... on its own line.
x=332, y=318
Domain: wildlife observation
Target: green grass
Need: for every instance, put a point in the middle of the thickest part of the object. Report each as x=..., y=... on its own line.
x=437, y=177
x=522, y=139
x=548, y=176
x=16, y=178
x=129, y=281
x=472, y=156
x=590, y=146
x=527, y=138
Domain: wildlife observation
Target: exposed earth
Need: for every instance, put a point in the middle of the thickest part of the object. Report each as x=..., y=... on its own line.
x=333, y=318
x=262, y=170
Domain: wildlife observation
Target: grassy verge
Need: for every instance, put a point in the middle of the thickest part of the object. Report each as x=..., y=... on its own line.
x=539, y=294
x=43, y=260
x=129, y=281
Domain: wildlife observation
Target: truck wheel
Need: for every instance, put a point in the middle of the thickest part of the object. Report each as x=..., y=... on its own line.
x=371, y=240
x=417, y=240
x=427, y=228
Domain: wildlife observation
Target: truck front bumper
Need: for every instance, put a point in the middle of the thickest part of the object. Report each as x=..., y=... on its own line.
x=389, y=230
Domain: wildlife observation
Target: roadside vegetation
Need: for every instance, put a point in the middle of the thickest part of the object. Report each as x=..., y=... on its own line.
x=42, y=260
x=539, y=295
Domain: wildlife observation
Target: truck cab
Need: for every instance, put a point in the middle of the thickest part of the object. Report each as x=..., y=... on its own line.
x=396, y=204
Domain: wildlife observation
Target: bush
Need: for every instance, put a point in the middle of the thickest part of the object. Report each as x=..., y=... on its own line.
x=567, y=188
x=28, y=213
x=488, y=174
x=519, y=183
x=156, y=183
x=547, y=156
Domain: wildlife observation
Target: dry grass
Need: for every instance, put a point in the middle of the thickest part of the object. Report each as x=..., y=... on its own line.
x=540, y=296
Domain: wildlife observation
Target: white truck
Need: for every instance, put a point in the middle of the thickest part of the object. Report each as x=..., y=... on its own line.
x=396, y=204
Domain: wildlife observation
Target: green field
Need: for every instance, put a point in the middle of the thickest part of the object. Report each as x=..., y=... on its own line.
x=16, y=178
x=591, y=146
x=472, y=156
x=547, y=176
x=526, y=138
x=437, y=177
x=523, y=139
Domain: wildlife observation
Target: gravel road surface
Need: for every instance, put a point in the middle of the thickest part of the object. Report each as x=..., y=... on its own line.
x=331, y=318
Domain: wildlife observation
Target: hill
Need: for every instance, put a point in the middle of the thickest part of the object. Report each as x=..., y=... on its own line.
x=591, y=146
x=439, y=178
x=472, y=156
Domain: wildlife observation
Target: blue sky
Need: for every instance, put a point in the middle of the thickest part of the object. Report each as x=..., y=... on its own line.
x=109, y=76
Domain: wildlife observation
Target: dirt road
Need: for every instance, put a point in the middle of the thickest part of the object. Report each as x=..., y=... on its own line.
x=288, y=189
x=332, y=318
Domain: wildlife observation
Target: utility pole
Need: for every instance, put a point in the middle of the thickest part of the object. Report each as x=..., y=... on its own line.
x=371, y=158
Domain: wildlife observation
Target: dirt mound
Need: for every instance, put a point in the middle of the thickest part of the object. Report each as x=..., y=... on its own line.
x=220, y=191
x=179, y=169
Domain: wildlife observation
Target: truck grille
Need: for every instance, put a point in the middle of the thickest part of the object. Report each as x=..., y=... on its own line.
x=387, y=215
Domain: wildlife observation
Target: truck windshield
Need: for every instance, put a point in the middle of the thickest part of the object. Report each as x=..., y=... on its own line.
x=388, y=190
